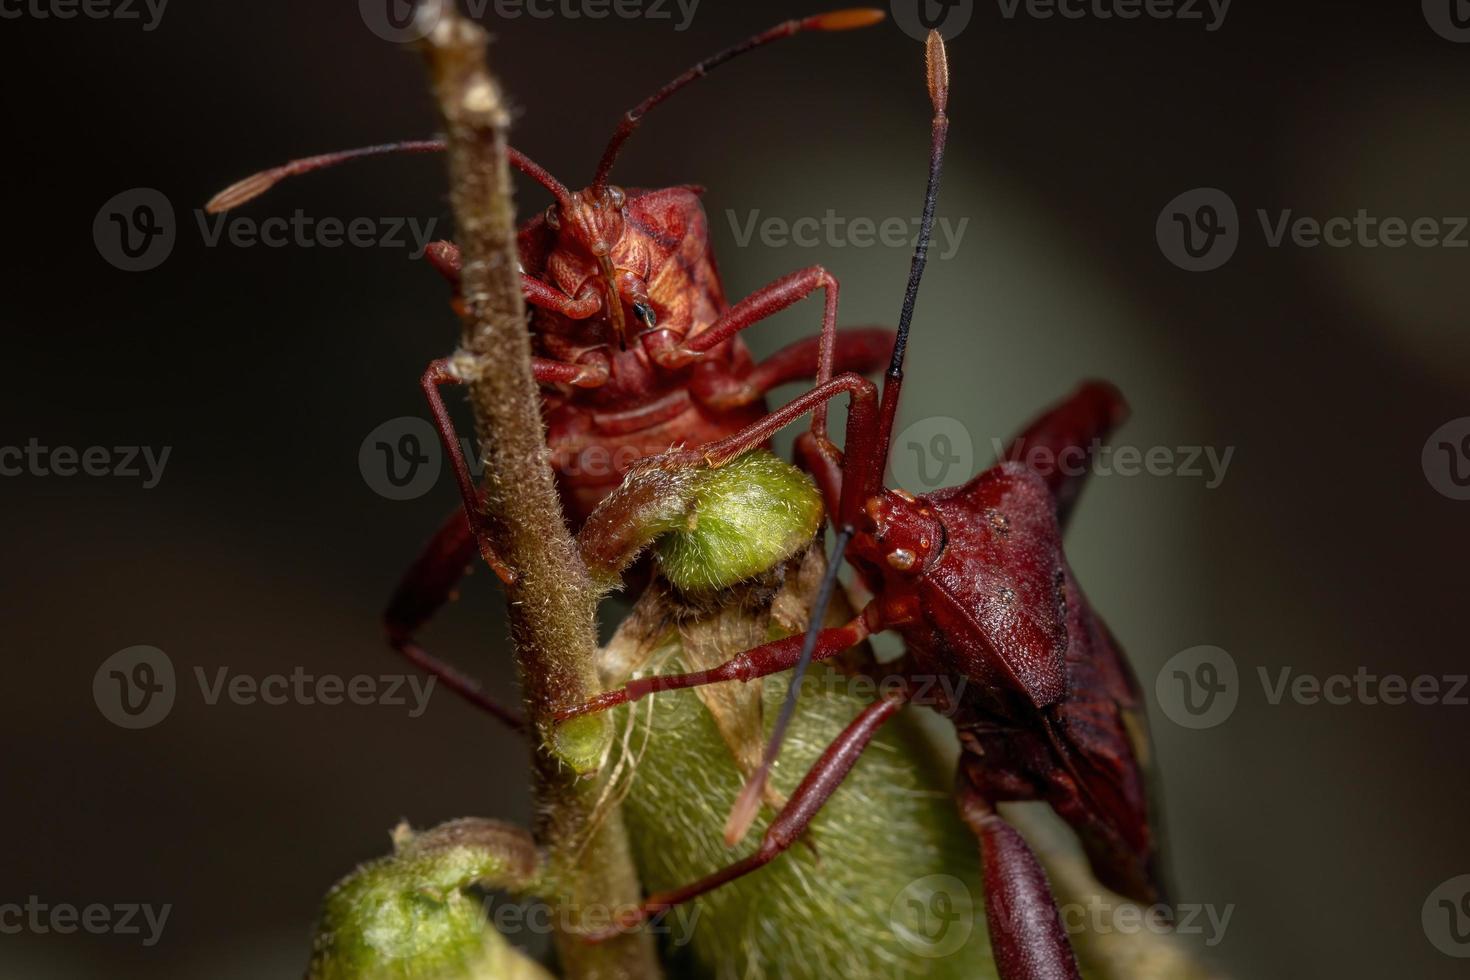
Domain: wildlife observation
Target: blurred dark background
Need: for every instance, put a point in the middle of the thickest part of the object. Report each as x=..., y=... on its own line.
x=1326, y=548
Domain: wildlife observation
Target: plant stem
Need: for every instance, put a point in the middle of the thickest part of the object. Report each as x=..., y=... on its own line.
x=553, y=602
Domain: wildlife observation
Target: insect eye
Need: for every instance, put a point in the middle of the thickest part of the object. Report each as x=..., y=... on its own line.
x=616, y=197
x=553, y=219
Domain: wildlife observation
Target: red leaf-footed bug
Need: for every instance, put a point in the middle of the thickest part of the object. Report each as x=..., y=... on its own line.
x=975, y=581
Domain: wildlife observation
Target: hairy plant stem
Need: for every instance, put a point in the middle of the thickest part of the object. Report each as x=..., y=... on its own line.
x=553, y=602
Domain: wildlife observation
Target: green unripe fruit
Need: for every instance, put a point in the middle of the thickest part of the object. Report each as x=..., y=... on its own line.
x=745, y=518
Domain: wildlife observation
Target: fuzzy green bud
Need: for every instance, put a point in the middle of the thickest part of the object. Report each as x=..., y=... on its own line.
x=745, y=518
x=411, y=916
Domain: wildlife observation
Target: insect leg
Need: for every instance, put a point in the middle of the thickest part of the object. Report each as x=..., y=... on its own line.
x=1026, y=932
x=820, y=782
x=668, y=351
x=425, y=588
x=861, y=444
x=447, y=258
x=762, y=661
x=862, y=351
x=438, y=373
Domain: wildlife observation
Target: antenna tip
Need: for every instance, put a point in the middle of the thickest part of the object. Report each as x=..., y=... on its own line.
x=936, y=60
x=243, y=191
x=747, y=805
x=845, y=20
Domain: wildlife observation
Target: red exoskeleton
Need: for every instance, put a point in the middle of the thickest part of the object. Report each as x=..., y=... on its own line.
x=636, y=347
x=975, y=581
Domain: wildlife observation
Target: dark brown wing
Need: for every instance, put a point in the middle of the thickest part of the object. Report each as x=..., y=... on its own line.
x=1100, y=734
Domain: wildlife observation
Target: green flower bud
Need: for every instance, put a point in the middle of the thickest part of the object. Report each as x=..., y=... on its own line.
x=746, y=518
x=581, y=742
x=411, y=916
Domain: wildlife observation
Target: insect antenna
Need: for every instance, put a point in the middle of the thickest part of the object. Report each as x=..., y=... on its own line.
x=936, y=62
x=742, y=814
x=255, y=185
x=836, y=20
